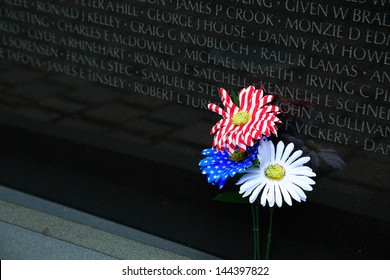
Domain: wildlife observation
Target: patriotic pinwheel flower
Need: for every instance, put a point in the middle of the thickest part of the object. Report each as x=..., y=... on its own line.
x=280, y=176
x=219, y=165
x=243, y=124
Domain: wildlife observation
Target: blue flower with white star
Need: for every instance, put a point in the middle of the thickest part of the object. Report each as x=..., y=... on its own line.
x=219, y=165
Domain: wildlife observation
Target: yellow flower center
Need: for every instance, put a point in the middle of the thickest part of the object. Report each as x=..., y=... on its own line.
x=241, y=118
x=238, y=155
x=275, y=172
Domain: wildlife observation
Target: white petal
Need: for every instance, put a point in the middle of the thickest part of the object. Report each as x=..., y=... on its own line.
x=301, y=183
x=248, y=177
x=299, y=191
x=254, y=195
x=306, y=179
x=271, y=152
x=249, y=191
x=304, y=186
x=291, y=191
x=287, y=152
x=259, y=157
x=250, y=184
x=261, y=154
x=303, y=171
x=294, y=156
x=279, y=151
x=271, y=195
x=278, y=196
x=265, y=151
x=299, y=162
x=246, y=193
x=262, y=147
x=264, y=195
x=286, y=196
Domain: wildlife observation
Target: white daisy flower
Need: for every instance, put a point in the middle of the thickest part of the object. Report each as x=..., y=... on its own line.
x=280, y=176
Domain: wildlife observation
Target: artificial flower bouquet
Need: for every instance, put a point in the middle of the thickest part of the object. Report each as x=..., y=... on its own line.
x=271, y=174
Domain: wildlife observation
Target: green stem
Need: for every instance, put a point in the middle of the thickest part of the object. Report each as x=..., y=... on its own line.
x=271, y=216
x=256, y=233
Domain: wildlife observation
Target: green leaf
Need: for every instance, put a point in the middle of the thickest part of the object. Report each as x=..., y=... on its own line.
x=232, y=197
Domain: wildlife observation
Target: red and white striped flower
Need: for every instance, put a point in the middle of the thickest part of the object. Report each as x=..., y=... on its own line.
x=242, y=125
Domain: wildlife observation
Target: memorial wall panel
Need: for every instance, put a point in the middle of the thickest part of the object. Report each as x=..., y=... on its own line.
x=103, y=107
